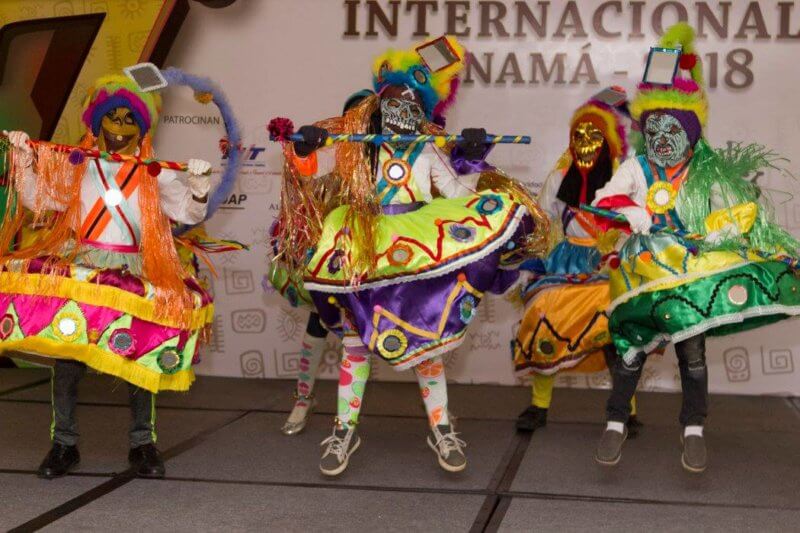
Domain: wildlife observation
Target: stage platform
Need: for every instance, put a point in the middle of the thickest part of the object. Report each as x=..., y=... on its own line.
x=230, y=469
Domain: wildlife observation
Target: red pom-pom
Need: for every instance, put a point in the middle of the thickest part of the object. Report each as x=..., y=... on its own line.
x=688, y=61
x=224, y=146
x=153, y=168
x=613, y=263
x=280, y=129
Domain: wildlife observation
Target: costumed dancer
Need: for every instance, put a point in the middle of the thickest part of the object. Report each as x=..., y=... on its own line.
x=394, y=270
x=719, y=266
x=290, y=285
x=564, y=327
x=102, y=285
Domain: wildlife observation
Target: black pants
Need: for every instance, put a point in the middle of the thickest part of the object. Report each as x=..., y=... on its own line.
x=66, y=376
x=694, y=382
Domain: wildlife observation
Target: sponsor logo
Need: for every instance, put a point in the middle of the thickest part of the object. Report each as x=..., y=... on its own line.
x=191, y=120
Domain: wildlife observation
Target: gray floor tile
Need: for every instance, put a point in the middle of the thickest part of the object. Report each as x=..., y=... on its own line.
x=393, y=453
x=104, y=433
x=11, y=378
x=192, y=506
x=23, y=497
x=662, y=408
x=564, y=516
x=402, y=399
x=745, y=467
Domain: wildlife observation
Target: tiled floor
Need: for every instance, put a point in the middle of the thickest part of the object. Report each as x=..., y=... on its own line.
x=230, y=469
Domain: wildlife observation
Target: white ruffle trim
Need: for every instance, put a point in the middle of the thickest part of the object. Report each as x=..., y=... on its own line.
x=711, y=323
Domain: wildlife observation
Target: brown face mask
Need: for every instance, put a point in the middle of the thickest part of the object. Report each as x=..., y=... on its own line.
x=119, y=133
x=586, y=142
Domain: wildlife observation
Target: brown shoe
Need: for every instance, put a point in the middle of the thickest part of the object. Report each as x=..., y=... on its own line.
x=609, y=449
x=694, y=457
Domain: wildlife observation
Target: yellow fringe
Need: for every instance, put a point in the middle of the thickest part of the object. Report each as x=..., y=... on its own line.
x=102, y=361
x=101, y=295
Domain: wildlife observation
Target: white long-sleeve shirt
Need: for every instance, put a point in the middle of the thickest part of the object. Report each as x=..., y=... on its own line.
x=174, y=194
x=430, y=169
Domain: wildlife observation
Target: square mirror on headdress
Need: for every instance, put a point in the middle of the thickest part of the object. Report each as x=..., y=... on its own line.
x=611, y=96
x=662, y=65
x=147, y=76
x=438, y=54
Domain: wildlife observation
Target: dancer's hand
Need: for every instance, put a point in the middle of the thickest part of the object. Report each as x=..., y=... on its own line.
x=21, y=141
x=199, y=180
x=473, y=143
x=313, y=138
x=638, y=219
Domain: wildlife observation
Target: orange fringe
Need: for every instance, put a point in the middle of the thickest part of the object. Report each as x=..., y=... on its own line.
x=60, y=182
x=160, y=262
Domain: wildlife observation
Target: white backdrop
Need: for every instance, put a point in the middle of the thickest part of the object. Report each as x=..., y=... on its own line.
x=293, y=59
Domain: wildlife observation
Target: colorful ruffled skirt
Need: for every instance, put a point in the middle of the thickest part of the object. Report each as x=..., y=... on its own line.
x=289, y=286
x=102, y=312
x=664, y=290
x=435, y=263
x=564, y=325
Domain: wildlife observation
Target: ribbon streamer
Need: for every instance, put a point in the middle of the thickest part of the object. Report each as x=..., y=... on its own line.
x=793, y=262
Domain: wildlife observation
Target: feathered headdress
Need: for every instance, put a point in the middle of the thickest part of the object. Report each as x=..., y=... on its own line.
x=685, y=98
x=116, y=90
x=436, y=88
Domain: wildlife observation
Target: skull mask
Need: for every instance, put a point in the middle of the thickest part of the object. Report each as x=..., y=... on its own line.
x=401, y=111
x=666, y=139
x=119, y=132
x=586, y=142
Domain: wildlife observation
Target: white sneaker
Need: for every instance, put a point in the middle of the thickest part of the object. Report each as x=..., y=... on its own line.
x=448, y=448
x=339, y=447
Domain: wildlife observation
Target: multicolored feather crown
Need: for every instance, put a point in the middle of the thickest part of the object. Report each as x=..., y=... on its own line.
x=437, y=88
x=609, y=121
x=686, y=94
x=116, y=90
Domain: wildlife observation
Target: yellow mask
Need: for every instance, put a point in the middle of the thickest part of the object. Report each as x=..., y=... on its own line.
x=119, y=133
x=587, y=140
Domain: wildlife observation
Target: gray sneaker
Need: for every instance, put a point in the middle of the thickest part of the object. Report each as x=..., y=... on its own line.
x=338, y=449
x=694, y=456
x=448, y=448
x=609, y=449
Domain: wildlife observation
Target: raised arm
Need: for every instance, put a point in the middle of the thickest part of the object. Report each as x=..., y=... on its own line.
x=27, y=185
x=184, y=199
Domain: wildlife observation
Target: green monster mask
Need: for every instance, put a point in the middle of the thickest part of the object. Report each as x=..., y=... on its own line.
x=667, y=142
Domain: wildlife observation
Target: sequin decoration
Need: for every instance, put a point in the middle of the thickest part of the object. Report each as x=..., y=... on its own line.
x=737, y=295
x=489, y=204
x=396, y=172
x=462, y=233
x=661, y=197
x=545, y=347
x=122, y=342
x=169, y=360
x=66, y=326
x=467, y=308
x=6, y=326
x=400, y=254
x=392, y=343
